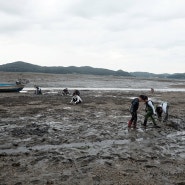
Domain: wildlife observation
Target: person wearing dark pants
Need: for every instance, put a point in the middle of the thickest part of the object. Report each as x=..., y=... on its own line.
x=133, y=109
x=150, y=111
x=162, y=108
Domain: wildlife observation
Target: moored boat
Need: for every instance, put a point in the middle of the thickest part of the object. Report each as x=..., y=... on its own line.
x=10, y=87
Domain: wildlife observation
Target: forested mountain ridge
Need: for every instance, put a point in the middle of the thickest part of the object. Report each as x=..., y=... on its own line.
x=20, y=66
x=163, y=75
x=27, y=67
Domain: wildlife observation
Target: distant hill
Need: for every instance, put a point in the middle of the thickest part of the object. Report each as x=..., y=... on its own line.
x=164, y=75
x=149, y=75
x=177, y=76
x=20, y=66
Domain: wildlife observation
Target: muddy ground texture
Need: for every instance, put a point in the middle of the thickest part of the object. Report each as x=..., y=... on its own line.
x=46, y=140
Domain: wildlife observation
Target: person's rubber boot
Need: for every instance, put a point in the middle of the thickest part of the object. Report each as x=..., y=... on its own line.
x=129, y=123
x=144, y=124
x=156, y=126
x=134, y=125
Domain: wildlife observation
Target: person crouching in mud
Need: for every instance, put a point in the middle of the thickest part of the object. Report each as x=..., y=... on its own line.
x=65, y=92
x=160, y=109
x=150, y=111
x=133, y=110
x=37, y=90
x=76, y=98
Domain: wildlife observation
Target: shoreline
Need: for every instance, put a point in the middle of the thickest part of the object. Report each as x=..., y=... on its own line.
x=107, y=89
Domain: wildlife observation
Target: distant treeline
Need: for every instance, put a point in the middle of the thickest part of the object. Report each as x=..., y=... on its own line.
x=20, y=66
x=177, y=76
x=164, y=75
x=26, y=67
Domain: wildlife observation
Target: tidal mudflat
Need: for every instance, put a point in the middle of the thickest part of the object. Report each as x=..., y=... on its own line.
x=46, y=140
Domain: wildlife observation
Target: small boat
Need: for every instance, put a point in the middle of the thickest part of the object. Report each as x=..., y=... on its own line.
x=9, y=87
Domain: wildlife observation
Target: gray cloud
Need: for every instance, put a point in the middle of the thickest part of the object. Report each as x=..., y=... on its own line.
x=90, y=9
x=128, y=35
x=14, y=7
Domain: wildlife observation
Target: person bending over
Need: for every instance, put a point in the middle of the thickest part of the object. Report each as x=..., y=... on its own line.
x=162, y=108
x=150, y=111
x=133, y=109
x=76, y=99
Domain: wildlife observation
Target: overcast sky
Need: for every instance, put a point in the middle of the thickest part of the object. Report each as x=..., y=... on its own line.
x=131, y=35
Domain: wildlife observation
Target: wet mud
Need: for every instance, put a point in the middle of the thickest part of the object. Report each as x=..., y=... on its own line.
x=46, y=140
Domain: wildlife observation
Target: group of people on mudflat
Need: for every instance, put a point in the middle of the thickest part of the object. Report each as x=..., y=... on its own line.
x=76, y=99
x=150, y=111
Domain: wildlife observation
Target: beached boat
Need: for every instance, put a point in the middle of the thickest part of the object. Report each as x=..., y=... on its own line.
x=9, y=87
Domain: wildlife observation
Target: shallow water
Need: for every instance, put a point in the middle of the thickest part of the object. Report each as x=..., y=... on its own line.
x=54, y=89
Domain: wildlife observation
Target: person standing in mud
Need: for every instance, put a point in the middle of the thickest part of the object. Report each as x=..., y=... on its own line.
x=133, y=109
x=150, y=111
x=152, y=90
x=162, y=108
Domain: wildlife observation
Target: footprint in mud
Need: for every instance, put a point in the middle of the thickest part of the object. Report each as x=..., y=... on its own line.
x=150, y=166
x=64, y=178
x=96, y=180
x=85, y=160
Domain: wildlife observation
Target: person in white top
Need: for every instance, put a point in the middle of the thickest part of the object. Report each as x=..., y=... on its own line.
x=150, y=111
x=76, y=98
x=162, y=108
